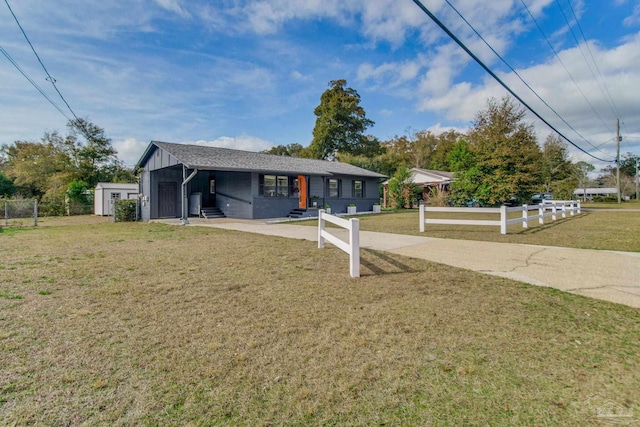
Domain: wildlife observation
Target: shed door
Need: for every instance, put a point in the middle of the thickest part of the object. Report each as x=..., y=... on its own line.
x=167, y=199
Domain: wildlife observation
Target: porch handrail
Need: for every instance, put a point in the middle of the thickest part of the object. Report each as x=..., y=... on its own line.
x=234, y=198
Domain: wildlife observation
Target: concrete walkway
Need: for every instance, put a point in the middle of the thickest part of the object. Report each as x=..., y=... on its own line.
x=607, y=275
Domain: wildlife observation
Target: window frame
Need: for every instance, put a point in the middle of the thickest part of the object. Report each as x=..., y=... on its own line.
x=338, y=189
x=282, y=186
x=354, y=193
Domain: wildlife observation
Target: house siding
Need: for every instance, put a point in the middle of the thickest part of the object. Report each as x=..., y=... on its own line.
x=234, y=194
x=363, y=204
x=170, y=175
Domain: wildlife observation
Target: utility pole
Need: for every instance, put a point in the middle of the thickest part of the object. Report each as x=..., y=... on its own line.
x=618, y=139
x=637, y=177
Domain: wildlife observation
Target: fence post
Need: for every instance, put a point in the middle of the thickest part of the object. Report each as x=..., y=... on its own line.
x=578, y=202
x=354, y=243
x=503, y=219
x=35, y=212
x=554, y=211
x=320, y=228
x=422, y=218
x=541, y=214
x=525, y=216
x=564, y=209
x=6, y=214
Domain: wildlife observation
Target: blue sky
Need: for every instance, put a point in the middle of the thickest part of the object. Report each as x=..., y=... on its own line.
x=248, y=74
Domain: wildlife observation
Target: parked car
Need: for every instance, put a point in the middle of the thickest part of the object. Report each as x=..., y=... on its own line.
x=511, y=202
x=538, y=198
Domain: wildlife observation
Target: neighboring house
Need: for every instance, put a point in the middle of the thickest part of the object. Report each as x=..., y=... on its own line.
x=179, y=180
x=107, y=192
x=427, y=179
x=589, y=193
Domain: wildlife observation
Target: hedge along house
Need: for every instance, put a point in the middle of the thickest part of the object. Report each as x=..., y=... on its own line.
x=179, y=180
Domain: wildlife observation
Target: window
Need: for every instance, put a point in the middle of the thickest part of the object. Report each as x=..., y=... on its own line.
x=274, y=186
x=115, y=196
x=333, y=188
x=358, y=189
x=283, y=186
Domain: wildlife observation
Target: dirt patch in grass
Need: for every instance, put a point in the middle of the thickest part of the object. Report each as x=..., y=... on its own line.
x=146, y=324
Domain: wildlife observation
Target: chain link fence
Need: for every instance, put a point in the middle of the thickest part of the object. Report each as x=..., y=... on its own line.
x=19, y=212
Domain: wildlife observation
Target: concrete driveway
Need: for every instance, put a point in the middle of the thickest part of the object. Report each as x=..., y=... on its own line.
x=607, y=275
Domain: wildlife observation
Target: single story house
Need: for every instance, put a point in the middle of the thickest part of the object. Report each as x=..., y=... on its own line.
x=425, y=178
x=179, y=180
x=589, y=193
x=106, y=193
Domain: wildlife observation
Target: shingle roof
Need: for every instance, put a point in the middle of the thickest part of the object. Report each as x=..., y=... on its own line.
x=115, y=185
x=215, y=158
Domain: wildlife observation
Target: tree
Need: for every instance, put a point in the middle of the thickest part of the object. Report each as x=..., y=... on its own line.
x=45, y=169
x=628, y=164
x=506, y=154
x=7, y=189
x=291, y=150
x=92, y=154
x=340, y=124
x=558, y=172
x=432, y=151
x=401, y=188
x=37, y=168
x=581, y=171
x=466, y=172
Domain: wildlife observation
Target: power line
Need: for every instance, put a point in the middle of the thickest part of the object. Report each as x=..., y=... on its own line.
x=49, y=77
x=498, y=79
x=520, y=77
x=608, y=98
x=562, y=63
x=15, y=64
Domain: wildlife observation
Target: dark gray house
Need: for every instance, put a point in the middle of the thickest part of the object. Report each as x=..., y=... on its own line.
x=180, y=180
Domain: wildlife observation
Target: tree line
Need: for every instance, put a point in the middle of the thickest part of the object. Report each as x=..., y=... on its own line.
x=498, y=159
x=61, y=168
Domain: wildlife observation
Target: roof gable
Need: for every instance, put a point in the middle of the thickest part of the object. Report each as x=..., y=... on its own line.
x=215, y=158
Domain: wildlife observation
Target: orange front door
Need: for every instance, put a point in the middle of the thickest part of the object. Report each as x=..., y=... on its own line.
x=302, y=192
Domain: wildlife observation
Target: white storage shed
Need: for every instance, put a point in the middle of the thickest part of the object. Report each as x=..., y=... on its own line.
x=106, y=192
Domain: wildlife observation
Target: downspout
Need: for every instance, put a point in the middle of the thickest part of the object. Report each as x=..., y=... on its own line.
x=185, y=201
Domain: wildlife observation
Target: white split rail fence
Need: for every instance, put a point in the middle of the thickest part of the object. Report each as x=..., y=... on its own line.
x=549, y=208
x=352, y=247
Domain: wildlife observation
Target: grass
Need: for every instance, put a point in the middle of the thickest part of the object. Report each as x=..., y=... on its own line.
x=149, y=324
x=608, y=230
x=631, y=204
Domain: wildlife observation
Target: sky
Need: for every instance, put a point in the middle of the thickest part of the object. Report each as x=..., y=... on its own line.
x=248, y=74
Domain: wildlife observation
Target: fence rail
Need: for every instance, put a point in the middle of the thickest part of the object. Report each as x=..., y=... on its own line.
x=549, y=208
x=352, y=247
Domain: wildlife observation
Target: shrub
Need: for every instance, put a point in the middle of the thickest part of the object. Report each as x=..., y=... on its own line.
x=126, y=210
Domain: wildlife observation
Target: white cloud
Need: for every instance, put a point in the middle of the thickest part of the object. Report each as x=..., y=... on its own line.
x=129, y=150
x=174, y=6
x=438, y=129
x=242, y=142
x=634, y=18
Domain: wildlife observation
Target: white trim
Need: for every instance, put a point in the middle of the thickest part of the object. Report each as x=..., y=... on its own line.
x=352, y=247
